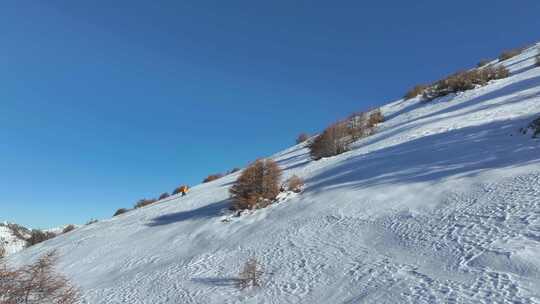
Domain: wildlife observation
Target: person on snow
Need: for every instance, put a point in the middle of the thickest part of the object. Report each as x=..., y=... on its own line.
x=184, y=189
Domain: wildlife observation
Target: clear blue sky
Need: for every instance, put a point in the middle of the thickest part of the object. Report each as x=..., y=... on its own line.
x=106, y=102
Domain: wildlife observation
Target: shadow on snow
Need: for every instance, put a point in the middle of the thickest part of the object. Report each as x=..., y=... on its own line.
x=208, y=211
x=465, y=151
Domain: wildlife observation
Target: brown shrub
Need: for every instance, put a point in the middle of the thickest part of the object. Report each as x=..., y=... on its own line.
x=163, y=196
x=357, y=125
x=415, y=91
x=375, y=118
x=38, y=236
x=250, y=275
x=505, y=55
x=212, y=177
x=36, y=283
x=144, y=202
x=465, y=80
x=257, y=186
x=333, y=141
x=120, y=211
x=295, y=184
x=68, y=228
x=302, y=138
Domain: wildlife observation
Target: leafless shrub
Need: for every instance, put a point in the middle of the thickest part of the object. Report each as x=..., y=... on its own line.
x=120, y=211
x=375, y=117
x=295, y=184
x=537, y=60
x=465, y=80
x=251, y=274
x=212, y=177
x=163, y=196
x=68, y=228
x=144, y=202
x=505, y=55
x=92, y=221
x=333, y=141
x=302, y=138
x=257, y=186
x=415, y=91
x=36, y=284
x=38, y=236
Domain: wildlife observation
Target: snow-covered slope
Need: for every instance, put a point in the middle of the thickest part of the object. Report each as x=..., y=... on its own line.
x=11, y=241
x=441, y=205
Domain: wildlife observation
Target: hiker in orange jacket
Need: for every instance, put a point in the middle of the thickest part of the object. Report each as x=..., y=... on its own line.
x=184, y=189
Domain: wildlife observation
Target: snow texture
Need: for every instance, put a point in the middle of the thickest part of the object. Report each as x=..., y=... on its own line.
x=441, y=205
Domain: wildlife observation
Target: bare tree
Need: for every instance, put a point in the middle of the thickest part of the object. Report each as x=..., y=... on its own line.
x=38, y=236
x=212, y=177
x=68, y=228
x=251, y=274
x=333, y=141
x=36, y=283
x=257, y=186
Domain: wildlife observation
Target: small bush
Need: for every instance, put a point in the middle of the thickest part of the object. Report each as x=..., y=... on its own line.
x=212, y=177
x=483, y=62
x=295, y=184
x=465, y=80
x=257, y=186
x=415, y=91
x=144, y=202
x=120, y=211
x=91, y=221
x=163, y=196
x=375, y=118
x=509, y=54
x=68, y=228
x=537, y=60
x=302, y=138
x=250, y=275
x=36, y=283
x=333, y=141
x=38, y=236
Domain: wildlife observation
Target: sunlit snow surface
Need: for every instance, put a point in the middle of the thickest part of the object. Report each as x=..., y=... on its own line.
x=442, y=205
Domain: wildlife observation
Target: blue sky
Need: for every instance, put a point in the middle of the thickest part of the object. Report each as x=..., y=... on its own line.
x=106, y=102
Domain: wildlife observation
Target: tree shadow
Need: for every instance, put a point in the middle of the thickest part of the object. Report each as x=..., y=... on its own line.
x=220, y=282
x=208, y=211
x=465, y=151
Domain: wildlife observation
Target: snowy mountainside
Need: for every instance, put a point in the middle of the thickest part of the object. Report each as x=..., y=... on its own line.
x=440, y=205
x=10, y=240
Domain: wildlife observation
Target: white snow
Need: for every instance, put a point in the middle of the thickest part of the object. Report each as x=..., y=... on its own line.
x=9, y=241
x=441, y=205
